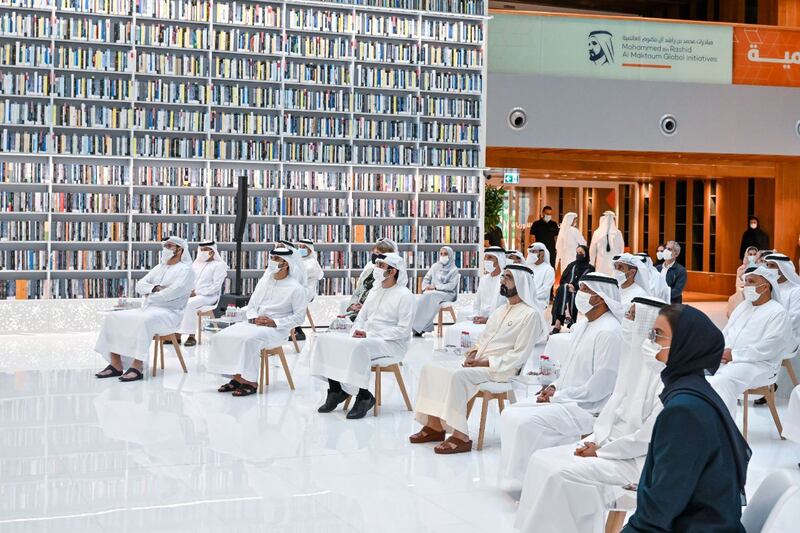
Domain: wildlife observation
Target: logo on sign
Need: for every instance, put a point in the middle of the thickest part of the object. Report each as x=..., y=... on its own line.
x=601, y=47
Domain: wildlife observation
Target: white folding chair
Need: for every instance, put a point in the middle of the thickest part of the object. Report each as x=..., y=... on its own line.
x=776, y=493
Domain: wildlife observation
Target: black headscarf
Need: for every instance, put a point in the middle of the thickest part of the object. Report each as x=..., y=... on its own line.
x=753, y=237
x=577, y=268
x=696, y=346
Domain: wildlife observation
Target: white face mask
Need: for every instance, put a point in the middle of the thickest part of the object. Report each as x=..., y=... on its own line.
x=386, y=274
x=660, y=256
x=667, y=255
x=166, y=255
x=627, y=328
x=582, y=302
x=488, y=266
x=203, y=256
x=272, y=269
x=621, y=277
x=753, y=225
x=303, y=252
x=751, y=293
x=547, y=218
x=650, y=349
x=444, y=259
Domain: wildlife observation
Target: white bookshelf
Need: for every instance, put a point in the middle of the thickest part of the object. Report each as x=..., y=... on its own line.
x=122, y=122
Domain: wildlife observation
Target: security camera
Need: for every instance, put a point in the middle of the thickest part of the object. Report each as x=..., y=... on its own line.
x=668, y=125
x=797, y=128
x=518, y=118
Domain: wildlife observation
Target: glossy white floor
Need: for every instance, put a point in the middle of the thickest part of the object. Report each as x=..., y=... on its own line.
x=171, y=454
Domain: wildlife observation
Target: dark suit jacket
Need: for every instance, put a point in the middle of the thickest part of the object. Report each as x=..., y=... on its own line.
x=676, y=279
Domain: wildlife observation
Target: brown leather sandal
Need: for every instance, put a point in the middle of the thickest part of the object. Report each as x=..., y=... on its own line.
x=453, y=445
x=426, y=434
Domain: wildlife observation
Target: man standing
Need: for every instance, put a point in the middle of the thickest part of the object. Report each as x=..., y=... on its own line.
x=545, y=231
x=673, y=272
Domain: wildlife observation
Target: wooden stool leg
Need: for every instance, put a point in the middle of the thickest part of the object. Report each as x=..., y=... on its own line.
x=787, y=364
x=484, y=409
x=262, y=371
x=179, y=353
x=311, y=320
x=199, y=329
x=347, y=403
x=501, y=401
x=452, y=313
x=377, y=391
x=286, y=369
x=471, y=404
x=294, y=341
x=440, y=319
x=770, y=396
x=161, y=349
x=156, y=341
x=745, y=404
x=615, y=521
x=400, y=383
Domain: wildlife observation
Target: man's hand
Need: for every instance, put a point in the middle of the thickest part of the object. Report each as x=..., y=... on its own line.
x=264, y=321
x=354, y=307
x=360, y=334
x=157, y=288
x=193, y=293
x=472, y=362
x=727, y=356
x=545, y=394
x=570, y=288
x=479, y=320
x=589, y=449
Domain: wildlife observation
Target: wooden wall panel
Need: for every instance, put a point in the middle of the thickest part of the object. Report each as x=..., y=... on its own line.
x=787, y=209
x=710, y=283
x=765, y=211
x=731, y=223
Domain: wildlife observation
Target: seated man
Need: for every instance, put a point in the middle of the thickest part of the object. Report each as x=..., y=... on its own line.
x=381, y=332
x=757, y=336
x=658, y=285
x=210, y=272
x=439, y=285
x=568, y=489
x=366, y=280
x=633, y=278
x=511, y=333
x=125, y=336
x=487, y=298
x=277, y=305
x=543, y=273
x=515, y=257
x=566, y=409
x=314, y=274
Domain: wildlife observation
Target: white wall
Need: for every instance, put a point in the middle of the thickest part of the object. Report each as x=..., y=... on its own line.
x=600, y=114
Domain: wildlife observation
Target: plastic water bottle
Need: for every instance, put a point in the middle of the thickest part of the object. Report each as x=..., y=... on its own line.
x=545, y=367
x=465, y=342
x=230, y=312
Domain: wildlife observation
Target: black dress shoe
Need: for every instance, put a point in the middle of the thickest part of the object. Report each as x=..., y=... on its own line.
x=298, y=334
x=332, y=401
x=361, y=408
x=191, y=341
x=417, y=334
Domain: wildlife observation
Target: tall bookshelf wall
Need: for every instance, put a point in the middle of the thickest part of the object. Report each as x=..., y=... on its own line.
x=125, y=121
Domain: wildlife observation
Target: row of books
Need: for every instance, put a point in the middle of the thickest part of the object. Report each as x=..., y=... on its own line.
x=248, y=14
x=387, y=52
x=450, y=132
x=97, y=116
x=90, y=260
x=187, y=10
x=91, y=29
x=87, y=231
x=23, y=172
x=449, y=56
x=23, y=259
x=89, y=288
x=168, y=204
x=24, y=83
x=88, y=87
x=464, y=209
x=227, y=94
x=90, y=58
x=171, y=176
x=316, y=100
x=87, y=202
x=23, y=290
x=75, y=173
x=448, y=234
x=25, y=113
x=256, y=205
x=398, y=130
x=317, y=126
x=310, y=207
x=375, y=207
x=171, y=36
x=23, y=230
x=26, y=25
x=244, y=40
x=158, y=231
x=319, y=47
x=241, y=123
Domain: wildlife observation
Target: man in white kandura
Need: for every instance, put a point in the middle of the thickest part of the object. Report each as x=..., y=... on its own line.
x=543, y=274
x=508, y=341
x=514, y=257
x=210, y=272
x=633, y=278
x=487, y=298
x=757, y=337
x=366, y=280
x=607, y=242
x=277, y=305
x=125, y=336
x=438, y=286
x=381, y=333
x=568, y=489
x=569, y=238
x=566, y=409
x=658, y=285
x=788, y=289
x=314, y=274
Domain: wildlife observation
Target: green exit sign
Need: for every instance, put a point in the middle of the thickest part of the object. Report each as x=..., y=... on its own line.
x=511, y=176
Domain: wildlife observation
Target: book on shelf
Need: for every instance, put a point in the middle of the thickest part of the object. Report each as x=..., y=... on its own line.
x=23, y=259
x=23, y=230
x=158, y=231
x=90, y=288
x=89, y=231
x=33, y=83
x=390, y=104
x=381, y=182
x=87, y=202
x=257, y=178
x=168, y=204
x=248, y=14
x=319, y=19
x=90, y=260
x=386, y=26
x=23, y=172
x=184, y=10
x=312, y=180
x=92, y=87
x=154, y=176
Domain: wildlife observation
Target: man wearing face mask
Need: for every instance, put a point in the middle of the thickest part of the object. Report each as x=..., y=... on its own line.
x=757, y=336
x=314, y=274
x=514, y=257
x=210, y=272
x=445, y=389
x=673, y=272
x=366, y=280
x=487, y=299
x=633, y=278
x=753, y=236
x=566, y=409
x=545, y=231
x=658, y=285
x=566, y=489
x=277, y=305
x=380, y=335
x=438, y=286
x=543, y=273
x=125, y=336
